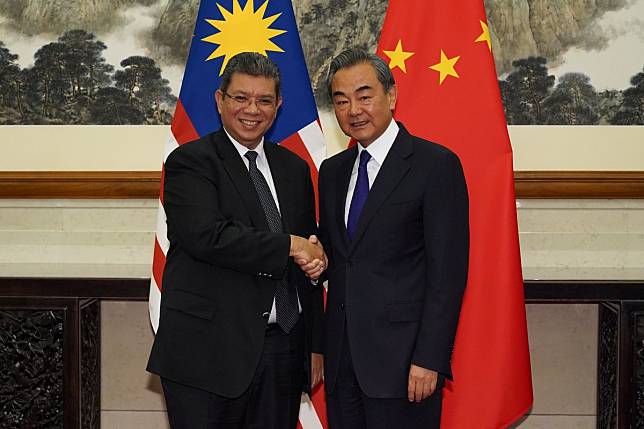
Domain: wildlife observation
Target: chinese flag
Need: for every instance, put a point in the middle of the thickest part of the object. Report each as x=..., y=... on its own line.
x=440, y=54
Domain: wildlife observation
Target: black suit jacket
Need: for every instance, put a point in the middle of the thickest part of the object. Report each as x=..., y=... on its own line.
x=223, y=264
x=398, y=286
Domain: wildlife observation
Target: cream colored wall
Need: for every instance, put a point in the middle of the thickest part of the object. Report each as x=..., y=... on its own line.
x=82, y=148
x=595, y=148
x=140, y=148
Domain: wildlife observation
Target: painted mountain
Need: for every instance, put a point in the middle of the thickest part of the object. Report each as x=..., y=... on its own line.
x=573, y=62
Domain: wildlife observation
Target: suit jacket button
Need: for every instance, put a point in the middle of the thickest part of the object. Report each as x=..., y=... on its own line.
x=265, y=315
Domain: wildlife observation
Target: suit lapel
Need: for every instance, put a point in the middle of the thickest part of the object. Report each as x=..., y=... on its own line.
x=392, y=171
x=283, y=184
x=343, y=178
x=238, y=173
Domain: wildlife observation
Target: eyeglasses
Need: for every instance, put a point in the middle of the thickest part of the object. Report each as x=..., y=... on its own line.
x=243, y=100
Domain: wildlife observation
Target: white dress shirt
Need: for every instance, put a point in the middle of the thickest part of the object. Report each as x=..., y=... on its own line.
x=378, y=150
x=265, y=169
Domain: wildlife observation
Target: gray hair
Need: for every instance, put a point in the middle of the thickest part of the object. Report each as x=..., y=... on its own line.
x=355, y=56
x=252, y=64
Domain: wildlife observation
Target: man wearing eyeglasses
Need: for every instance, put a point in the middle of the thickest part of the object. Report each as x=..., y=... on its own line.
x=236, y=343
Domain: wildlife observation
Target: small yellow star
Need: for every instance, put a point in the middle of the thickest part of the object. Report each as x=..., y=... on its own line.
x=398, y=57
x=446, y=67
x=485, y=35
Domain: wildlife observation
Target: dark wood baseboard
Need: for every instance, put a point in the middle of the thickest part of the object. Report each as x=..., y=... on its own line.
x=583, y=291
x=80, y=288
x=146, y=184
x=536, y=291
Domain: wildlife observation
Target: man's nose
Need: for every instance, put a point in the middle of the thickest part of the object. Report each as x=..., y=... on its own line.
x=252, y=106
x=354, y=108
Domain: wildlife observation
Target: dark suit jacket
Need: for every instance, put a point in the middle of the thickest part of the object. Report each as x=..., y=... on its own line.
x=398, y=286
x=223, y=263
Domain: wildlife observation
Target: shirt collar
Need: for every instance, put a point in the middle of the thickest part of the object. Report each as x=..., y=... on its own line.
x=379, y=148
x=243, y=149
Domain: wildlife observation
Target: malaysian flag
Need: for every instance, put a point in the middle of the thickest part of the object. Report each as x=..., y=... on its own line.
x=223, y=29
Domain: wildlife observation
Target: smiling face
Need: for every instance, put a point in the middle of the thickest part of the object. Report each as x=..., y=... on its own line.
x=248, y=107
x=362, y=107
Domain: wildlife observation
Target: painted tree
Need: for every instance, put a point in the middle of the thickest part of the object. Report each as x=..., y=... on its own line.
x=113, y=107
x=527, y=88
x=511, y=106
x=10, y=87
x=86, y=68
x=66, y=75
x=142, y=80
x=574, y=101
x=631, y=112
x=610, y=101
x=47, y=80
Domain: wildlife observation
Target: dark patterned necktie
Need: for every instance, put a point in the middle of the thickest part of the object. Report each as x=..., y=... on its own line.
x=360, y=194
x=286, y=308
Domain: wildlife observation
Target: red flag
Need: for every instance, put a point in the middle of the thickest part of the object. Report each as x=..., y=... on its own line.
x=440, y=54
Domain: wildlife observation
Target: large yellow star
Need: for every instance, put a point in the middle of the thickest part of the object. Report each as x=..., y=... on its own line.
x=485, y=35
x=243, y=30
x=398, y=57
x=446, y=67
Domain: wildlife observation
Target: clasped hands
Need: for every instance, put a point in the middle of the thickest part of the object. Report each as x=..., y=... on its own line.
x=309, y=255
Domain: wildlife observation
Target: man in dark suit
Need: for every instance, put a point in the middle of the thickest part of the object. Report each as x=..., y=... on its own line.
x=235, y=339
x=394, y=223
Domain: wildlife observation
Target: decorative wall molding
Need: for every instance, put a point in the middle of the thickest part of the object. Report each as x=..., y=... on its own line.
x=608, y=366
x=32, y=369
x=579, y=184
x=145, y=184
x=79, y=184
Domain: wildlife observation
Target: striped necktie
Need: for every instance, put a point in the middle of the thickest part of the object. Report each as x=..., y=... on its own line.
x=286, y=308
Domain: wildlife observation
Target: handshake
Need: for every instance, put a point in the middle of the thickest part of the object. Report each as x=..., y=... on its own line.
x=309, y=255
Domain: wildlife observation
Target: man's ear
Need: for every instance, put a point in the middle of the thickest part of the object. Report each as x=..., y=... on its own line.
x=219, y=99
x=392, y=95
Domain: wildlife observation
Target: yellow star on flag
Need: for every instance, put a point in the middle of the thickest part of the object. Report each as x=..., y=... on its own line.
x=446, y=67
x=485, y=35
x=243, y=30
x=398, y=57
